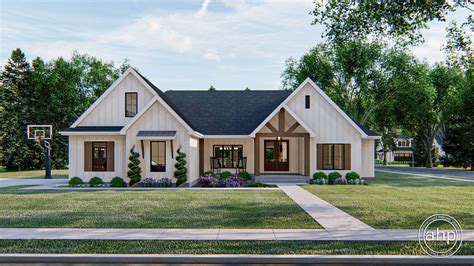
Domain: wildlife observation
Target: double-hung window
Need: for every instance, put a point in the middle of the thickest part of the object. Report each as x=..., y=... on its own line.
x=131, y=104
x=158, y=156
x=333, y=156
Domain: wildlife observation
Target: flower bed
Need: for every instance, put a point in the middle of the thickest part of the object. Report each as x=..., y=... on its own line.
x=226, y=179
x=117, y=182
x=335, y=178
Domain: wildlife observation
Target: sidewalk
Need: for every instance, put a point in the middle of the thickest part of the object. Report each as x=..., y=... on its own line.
x=211, y=234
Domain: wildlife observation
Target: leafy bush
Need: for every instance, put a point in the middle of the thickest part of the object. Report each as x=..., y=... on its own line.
x=165, y=182
x=207, y=181
x=340, y=181
x=259, y=185
x=353, y=181
x=209, y=174
x=245, y=175
x=152, y=182
x=134, y=170
x=320, y=175
x=333, y=176
x=233, y=181
x=378, y=161
x=225, y=174
x=352, y=175
x=95, y=181
x=117, y=182
x=320, y=181
x=75, y=182
x=181, y=172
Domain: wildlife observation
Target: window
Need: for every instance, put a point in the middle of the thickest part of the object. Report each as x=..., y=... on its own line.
x=158, y=156
x=333, y=156
x=131, y=104
x=99, y=156
x=228, y=155
x=307, y=101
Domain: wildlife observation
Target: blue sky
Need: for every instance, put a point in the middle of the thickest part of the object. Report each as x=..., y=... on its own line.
x=230, y=44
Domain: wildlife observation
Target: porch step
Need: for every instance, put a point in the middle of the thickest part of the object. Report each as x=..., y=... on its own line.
x=277, y=179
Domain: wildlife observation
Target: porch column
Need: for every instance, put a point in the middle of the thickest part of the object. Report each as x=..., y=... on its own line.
x=306, y=155
x=201, y=156
x=256, y=149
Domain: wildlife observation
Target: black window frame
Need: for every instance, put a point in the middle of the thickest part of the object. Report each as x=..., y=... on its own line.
x=136, y=103
x=94, y=166
x=158, y=168
x=332, y=158
x=235, y=163
x=307, y=101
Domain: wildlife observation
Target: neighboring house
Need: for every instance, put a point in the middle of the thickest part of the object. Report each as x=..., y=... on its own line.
x=263, y=132
x=403, y=150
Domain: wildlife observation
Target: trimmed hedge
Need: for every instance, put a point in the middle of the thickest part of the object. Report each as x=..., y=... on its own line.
x=320, y=175
x=333, y=176
x=117, y=182
x=95, y=181
x=352, y=176
x=225, y=174
x=245, y=175
x=75, y=182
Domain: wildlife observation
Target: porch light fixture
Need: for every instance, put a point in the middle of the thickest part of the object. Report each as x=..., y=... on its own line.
x=278, y=138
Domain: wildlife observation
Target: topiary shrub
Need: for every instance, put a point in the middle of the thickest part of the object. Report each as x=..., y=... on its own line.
x=333, y=176
x=320, y=175
x=95, y=181
x=75, y=182
x=134, y=172
x=181, y=172
x=245, y=175
x=117, y=182
x=352, y=175
x=225, y=174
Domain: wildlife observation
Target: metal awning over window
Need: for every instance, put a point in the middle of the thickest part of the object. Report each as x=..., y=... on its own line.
x=156, y=134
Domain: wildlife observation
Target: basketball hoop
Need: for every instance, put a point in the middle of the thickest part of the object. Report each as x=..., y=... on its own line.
x=40, y=134
x=38, y=138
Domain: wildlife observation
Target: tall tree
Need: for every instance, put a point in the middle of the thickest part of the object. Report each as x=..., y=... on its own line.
x=458, y=46
x=400, y=20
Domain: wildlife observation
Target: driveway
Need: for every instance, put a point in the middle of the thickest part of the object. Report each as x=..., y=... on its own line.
x=434, y=172
x=6, y=182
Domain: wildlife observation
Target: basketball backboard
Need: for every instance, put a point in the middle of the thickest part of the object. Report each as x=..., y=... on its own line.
x=39, y=132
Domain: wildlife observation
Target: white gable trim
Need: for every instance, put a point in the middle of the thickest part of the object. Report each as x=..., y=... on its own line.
x=315, y=87
x=129, y=71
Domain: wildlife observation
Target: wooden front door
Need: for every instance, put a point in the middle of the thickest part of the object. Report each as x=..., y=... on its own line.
x=276, y=155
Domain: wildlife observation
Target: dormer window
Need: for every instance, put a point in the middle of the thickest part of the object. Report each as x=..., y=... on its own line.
x=131, y=104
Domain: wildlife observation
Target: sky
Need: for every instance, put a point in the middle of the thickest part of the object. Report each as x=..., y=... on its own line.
x=178, y=44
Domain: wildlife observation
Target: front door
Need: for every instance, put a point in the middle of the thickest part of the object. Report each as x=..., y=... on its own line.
x=276, y=155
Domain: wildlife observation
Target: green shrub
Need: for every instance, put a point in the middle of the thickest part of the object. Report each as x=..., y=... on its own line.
x=225, y=174
x=320, y=175
x=320, y=181
x=352, y=175
x=245, y=175
x=377, y=161
x=95, y=181
x=75, y=182
x=181, y=171
x=117, y=182
x=353, y=181
x=209, y=174
x=259, y=185
x=134, y=172
x=333, y=176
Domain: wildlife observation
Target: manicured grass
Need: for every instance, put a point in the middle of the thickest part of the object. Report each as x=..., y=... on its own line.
x=395, y=201
x=60, y=174
x=151, y=209
x=218, y=247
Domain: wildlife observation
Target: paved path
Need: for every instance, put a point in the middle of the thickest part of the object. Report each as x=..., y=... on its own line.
x=465, y=176
x=9, y=182
x=210, y=234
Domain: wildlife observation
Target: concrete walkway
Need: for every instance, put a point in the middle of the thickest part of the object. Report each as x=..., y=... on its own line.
x=210, y=234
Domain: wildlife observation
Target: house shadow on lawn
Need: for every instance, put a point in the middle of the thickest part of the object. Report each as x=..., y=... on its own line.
x=401, y=180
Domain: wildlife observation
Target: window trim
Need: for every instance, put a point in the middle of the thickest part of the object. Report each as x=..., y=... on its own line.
x=332, y=158
x=106, y=155
x=231, y=154
x=151, y=157
x=307, y=101
x=136, y=105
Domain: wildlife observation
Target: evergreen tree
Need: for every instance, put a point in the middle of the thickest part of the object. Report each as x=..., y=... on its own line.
x=212, y=88
x=181, y=172
x=134, y=169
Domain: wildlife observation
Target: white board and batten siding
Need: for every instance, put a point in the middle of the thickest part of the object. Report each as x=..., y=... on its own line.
x=76, y=155
x=111, y=110
x=158, y=118
x=332, y=128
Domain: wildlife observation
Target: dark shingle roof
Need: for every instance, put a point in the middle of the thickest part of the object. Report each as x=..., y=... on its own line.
x=364, y=128
x=94, y=129
x=226, y=112
x=156, y=133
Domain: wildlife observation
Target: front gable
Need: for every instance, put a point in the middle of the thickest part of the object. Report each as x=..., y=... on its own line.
x=109, y=109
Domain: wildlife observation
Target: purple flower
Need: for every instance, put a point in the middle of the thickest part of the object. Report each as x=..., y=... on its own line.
x=340, y=181
x=207, y=181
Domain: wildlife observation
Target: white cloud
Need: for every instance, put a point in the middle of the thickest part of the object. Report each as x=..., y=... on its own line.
x=203, y=11
x=211, y=55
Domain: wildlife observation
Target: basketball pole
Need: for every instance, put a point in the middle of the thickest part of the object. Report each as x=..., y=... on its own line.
x=47, y=160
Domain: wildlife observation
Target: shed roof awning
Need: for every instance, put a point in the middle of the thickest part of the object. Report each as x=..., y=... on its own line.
x=156, y=134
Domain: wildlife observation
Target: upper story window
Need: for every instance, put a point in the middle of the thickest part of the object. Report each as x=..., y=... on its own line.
x=131, y=104
x=404, y=143
x=307, y=102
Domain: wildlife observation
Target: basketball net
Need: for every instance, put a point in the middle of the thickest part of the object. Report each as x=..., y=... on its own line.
x=38, y=138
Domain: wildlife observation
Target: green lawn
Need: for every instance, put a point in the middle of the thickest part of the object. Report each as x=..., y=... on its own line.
x=395, y=201
x=151, y=209
x=218, y=247
x=32, y=174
